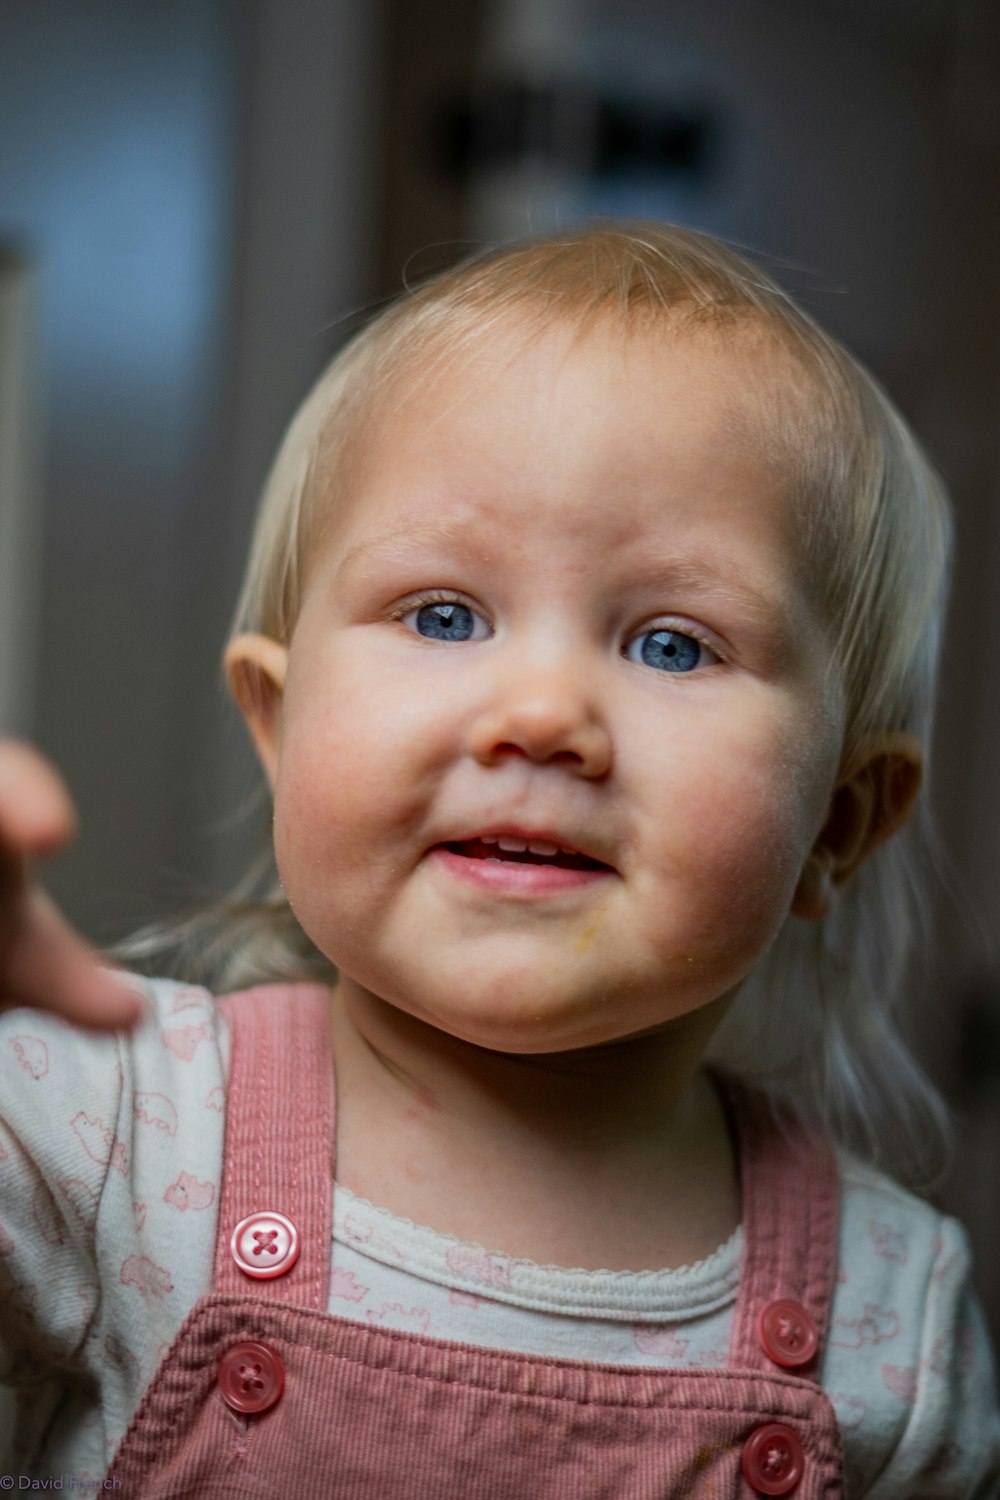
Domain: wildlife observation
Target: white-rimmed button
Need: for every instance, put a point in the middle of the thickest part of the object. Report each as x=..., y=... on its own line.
x=265, y=1244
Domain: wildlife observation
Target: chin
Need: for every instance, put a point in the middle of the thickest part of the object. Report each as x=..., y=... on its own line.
x=534, y=1025
x=517, y=1033
x=494, y=1016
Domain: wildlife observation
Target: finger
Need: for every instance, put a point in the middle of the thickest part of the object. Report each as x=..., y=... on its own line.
x=36, y=811
x=51, y=968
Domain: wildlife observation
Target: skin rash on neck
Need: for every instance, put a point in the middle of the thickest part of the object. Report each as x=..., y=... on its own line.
x=615, y=1158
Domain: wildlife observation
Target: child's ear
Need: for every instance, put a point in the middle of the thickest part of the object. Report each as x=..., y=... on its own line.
x=255, y=670
x=870, y=803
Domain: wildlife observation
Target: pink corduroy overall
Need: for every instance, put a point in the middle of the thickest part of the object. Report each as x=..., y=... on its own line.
x=264, y=1394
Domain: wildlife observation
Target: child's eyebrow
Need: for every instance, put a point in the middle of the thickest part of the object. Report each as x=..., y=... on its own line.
x=719, y=577
x=406, y=539
x=722, y=577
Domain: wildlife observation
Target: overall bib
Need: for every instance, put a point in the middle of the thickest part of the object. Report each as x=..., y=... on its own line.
x=263, y=1394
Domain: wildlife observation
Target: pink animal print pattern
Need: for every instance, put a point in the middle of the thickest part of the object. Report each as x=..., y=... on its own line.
x=187, y=1192
x=387, y=1285
x=148, y=1278
x=100, y=1142
x=869, y=1393
x=32, y=1053
x=877, y=1325
x=137, y=1160
x=345, y=1285
x=82, y=1200
x=183, y=1041
x=157, y=1110
x=361, y=1232
x=186, y=997
x=889, y=1243
x=405, y=1319
x=663, y=1342
x=479, y=1265
x=105, y=1147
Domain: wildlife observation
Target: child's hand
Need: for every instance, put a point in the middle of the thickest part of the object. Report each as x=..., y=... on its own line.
x=43, y=962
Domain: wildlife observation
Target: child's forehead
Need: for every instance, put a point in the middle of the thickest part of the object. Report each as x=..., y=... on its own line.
x=469, y=440
x=738, y=378
x=480, y=416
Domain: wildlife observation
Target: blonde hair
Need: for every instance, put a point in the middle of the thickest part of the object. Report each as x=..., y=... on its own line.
x=815, y=1022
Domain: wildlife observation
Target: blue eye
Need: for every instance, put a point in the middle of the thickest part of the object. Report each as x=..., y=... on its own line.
x=668, y=650
x=444, y=620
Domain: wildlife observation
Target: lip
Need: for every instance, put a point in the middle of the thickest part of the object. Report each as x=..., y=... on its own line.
x=510, y=877
x=527, y=836
x=507, y=877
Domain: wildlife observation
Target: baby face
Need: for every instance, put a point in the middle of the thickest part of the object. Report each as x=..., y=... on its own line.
x=556, y=737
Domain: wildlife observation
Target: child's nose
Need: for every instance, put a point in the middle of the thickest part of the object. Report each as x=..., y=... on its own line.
x=546, y=715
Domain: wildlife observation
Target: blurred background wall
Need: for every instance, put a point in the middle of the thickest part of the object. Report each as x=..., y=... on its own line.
x=199, y=198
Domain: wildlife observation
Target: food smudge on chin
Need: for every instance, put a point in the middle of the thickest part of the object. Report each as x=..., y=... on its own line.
x=586, y=939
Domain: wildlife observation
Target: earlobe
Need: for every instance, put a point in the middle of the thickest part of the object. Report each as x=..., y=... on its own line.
x=815, y=893
x=871, y=802
x=255, y=670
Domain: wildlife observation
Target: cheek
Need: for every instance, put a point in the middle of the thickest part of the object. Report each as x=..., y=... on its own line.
x=744, y=863
x=325, y=785
x=366, y=741
x=735, y=832
x=347, y=791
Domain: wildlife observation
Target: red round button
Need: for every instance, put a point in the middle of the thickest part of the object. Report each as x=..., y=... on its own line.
x=773, y=1462
x=788, y=1334
x=251, y=1377
x=265, y=1244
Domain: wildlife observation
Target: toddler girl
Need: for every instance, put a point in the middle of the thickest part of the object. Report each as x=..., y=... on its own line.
x=588, y=643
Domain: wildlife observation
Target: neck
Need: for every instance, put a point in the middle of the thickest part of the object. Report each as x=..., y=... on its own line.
x=476, y=1142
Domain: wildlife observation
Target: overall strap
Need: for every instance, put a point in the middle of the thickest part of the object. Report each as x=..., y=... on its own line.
x=791, y=1212
x=279, y=1144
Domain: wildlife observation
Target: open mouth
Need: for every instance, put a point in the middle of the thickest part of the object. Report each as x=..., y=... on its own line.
x=513, y=851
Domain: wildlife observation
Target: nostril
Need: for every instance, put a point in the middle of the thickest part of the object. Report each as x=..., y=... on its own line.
x=567, y=757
